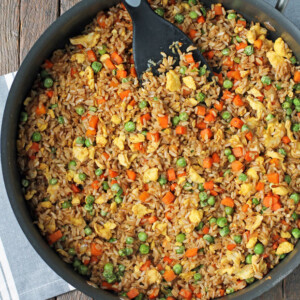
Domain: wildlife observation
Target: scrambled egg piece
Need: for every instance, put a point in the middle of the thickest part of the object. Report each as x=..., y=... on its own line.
x=189, y=82
x=90, y=76
x=256, y=105
x=137, y=138
x=160, y=227
x=173, y=81
x=92, y=151
x=80, y=153
x=51, y=227
x=113, y=207
x=77, y=221
x=195, y=177
x=70, y=175
x=255, y=92
x=152, y=147
x=273, y=134
x=153, y=276
x=192, y=102
x=187, y=276
x=235, y=141
x=280, y=49
x=45, y=204
x=254, y=222
x=123, y=160
x=50, y=112
x=275, y=59
x=150, y=175
x=119, y=141
x=75, y=201
x=280, y=190
x=116, y=119
x=52, y=190
x=245, y=273
x=101, y=140
x=87, y=41
x=285, y=235
x=258, y=264
x=246, y=188
x=175, y=106
x=252, y=241
x=104, y=57
x=181, y=180
x=284, y=247
x=105, y=230
x=288, y=130
x=77, y=180
x=141, y=210
x=252, y=122
x=41, y=125
x=196, y=216
x=274, y=154
x=100, y=200
x=295, y=152
x=27, y=101
x=256, y=31
x=244, y=73
x=252, y=173
x=79, y=57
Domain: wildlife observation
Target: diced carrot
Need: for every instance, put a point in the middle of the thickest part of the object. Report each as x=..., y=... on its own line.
x=173, y=186
x=95, y=185
x=222, y=292
x=274, y=161
x=101, y=21
x=131, y=174
x=189, y=58
x=35, y=147
x=273, y=177
x=258, y=44
x=105, y=155
x=201, y=125
x=49, y=94
x=237, y=123
x=168, y=198
x=133, y=72
x=242, y=22
x=93, y=259
x=169, y=275
x=154, y=293
x=109, y=64
x=121, y=74
x=138, y=146
x=171, y=174
x=152, y=136
x=181, y=130
x=201, y=110
x=41, y=109
x=116, y=58
x=191, y=252
x=251, y=155
x=215, y=157
x=267, y=87
x=234, y=75
x=101, y=101
x=168, y=260
x=249, y=136
x=91, y=55
x=238, y=151
x=163, y=121
x=124, y=94
x=237, y=100
x=48, y=64
x=205, y=230
x=297, y=76
x=230, y=247
x=132, y=103
x=152, y=219
x=186, y=294
x=114, y=82
x=113, y=181
x=90, y=132
x=213, y=193
x=245, y=207
x=209, y=185
x=207, y=162
x=228, y=62
x=186, y=92
x=168, y=215
x=54, y=237
x=201, y=20
x=93, y=121
x=199, y=295
x=236, y=166
x=209, y=54
x=227, y=95
x=218, y=10
x=133, y=293
x=219, y=105
x=220, y=78
x=75, y=188
x=145, y=266
x=144, y=118
x=144, y=196
x=73, y=71
x=209, y=118
x=227, y=201
x=181, y=174
x=192, y=33
x=206, y=134
x=260, y=186
x=286, y=140
x=241, y=46
x=112, y=173
x=268, y=201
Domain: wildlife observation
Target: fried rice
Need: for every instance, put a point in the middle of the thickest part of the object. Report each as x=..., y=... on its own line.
x=166, y=189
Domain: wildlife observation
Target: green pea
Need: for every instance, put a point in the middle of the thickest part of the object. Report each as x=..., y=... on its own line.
x=54, y=105
x=180, y=250
x=286, y=105
x=71, y=251
x=200, y=97
x=278, y=86
x=115, y=187
x=88, y=230
x=212, y=221
x=243, y=177
x=249, y=259
x=80, y=110
x=192, y=2
x=250, y=280
x=144, y=249
x=187, y=186
x=231, y=16
x=249, y=50
x=259, y=248
x=203, y=203
x=36, y=137
x=144, y=132
x=224, y=231
x=110, y=277
x=118, y=199
x=48, y=82
x=226, y=51
x=297, y=87
x=129, y=240
x=66, y=204
x=182, y=70
x=23, y=116
x=129, y=126
x=227, y=151
x=226, y=115
x=229, y=210
x=88, y=143
x=76, y=263
x=93, y=108
x=203, y=10
x=201, y=187
x=53, y=181
x=175, y=120
x=96, y=66
x=229, y=290
x=80, y=140
x=202, y=71
x=282, y=256
x=296, y=233
x=180, y=237
x=102, y=49
x=103, y=213
x=237, y=239
x=231, y=158
x=295, y=197
x=98, y=172
x=160, y=11
x=177, y=269
x=227, y=172
x=237, y=60
x=183, y=116
x=82, y=176
x=44, y=74
x=143, y=104
x=211, y=200
x=227, y=84
x=197, y=276
x=203, y=196
x=90, y=199
x=181, y=162
x=162, y=180
x=245, y=128
x=128, y=251
x=293, y=60
x=269, y=117
x=25, y=183
x=208, y=238
x=282, y=152
x=199, y=226
x=295, y=216
x=296, y=127
x=105, y=185
x=266, y=80
x=61, y=120
x=121, y=268
x=109, y=267
x=238, y=39
x=193, y=15
x=287, y=179
x=222, y=222
x=114, y=72
x=255, y=201
x=296, y=102
x=83, y=270
x=142, y=236
x=179, y=18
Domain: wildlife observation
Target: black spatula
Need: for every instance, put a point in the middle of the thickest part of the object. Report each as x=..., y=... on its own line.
x=152, y=35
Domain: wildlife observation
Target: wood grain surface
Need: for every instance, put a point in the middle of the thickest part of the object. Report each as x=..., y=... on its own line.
x=21, y=23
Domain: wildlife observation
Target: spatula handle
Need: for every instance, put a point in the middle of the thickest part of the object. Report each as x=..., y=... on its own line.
x=133, y=3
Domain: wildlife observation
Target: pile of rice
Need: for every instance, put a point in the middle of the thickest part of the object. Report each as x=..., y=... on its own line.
x=166, y=190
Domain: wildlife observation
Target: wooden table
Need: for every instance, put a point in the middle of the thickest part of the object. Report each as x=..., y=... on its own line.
x=21, y=23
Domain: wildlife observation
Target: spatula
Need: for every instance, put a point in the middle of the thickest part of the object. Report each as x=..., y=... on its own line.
x=153, y=35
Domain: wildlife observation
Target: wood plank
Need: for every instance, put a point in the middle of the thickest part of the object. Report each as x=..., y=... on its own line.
x=291, y=287
x=9, y=35
x=75, y=295
x=35, y=18
x=276, y=293
x=67, y=4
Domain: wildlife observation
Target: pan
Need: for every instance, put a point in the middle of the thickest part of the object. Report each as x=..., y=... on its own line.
x=70, y=24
